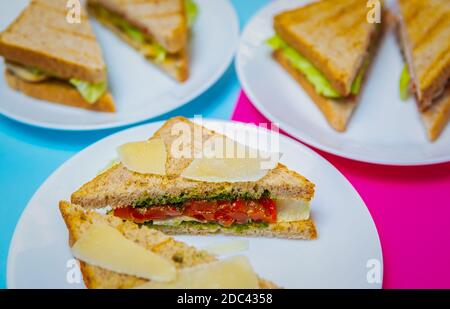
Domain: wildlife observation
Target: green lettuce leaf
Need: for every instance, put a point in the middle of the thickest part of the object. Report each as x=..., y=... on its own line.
x=313, y=75
x=135, y=34
x=161, y=53
x=191, y=11
x=37, y=72
x=357, y=83
x=89, y=91
x=405, y=79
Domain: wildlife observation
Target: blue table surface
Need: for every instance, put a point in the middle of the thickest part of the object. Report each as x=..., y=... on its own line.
x=29, y=155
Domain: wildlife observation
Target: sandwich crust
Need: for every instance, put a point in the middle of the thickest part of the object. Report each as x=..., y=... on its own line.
x=436, y=117
x=42, y=38
x=287, y=230
x=60, y=92
x=119, y=187
x=333, y=35
x=78, y=221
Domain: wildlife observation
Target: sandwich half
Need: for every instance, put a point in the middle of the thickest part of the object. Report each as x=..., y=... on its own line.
x=79, y=221
x=159, y=30
x=276, y=205
x=424, y=35
x=50, y=59
x=327, y=47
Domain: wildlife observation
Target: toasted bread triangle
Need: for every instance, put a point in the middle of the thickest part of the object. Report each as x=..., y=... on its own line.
x=165, y=21
x=78, y=221
x=338, y=112
x=425, y=35
x=175, y=65
x=119, y=187
x=334, y=35
x=155, y=17
x=42, y=38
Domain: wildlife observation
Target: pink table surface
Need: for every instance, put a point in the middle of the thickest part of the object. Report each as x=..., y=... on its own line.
x=410, y=207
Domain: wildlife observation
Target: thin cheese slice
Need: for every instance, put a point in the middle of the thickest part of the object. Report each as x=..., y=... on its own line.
x=292, y=210
x=148, y=157
x=104, y=246
x=233, y=273
x=27, y=74
x=224, y=160
x=175, y=221
x=230, y=247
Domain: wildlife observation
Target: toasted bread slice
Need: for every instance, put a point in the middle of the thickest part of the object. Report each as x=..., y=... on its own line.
x=164, y=21
x=424, y=30
x=333, y=35
x=437, y=115
x=78, y=221
x=60, y=92
x=175, y=65
x=119, y=187
x=42, y=38
x=305, y=229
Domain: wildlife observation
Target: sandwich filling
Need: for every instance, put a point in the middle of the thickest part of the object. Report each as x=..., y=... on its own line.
x=408, y=87
x=91, y=92
x=138, y=38
x=321, y=84
x=223, y=212
x=405, y=81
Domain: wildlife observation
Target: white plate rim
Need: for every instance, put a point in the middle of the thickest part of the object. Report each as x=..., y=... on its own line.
x=298, y=134
x=345, y=182
x=213, y=79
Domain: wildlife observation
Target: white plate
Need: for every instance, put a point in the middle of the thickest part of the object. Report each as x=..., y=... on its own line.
x=384, y=129
x=348, y=239
x=140, y=90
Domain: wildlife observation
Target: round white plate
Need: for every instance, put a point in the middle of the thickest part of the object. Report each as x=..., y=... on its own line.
x=384, y=129
x=140, y=90
x=347, y=250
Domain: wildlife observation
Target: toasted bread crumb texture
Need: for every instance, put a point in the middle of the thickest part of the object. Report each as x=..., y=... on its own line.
x=334, y=35
x=78, y=221
x=425, y=34
x=286, y=230
x=165, y=21
x=42, y=38
x=119, y=187
x=59, y=92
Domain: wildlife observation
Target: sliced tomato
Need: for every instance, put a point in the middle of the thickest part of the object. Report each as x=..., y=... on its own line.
x=141, y=215
x=200, y=210
x=223, y=218
x=270, y=209
x=225, y=213
x=124, y=213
